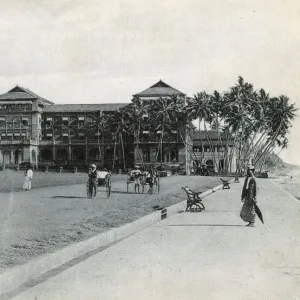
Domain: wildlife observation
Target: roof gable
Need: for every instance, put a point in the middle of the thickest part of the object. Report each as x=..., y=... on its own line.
x=17, y=89
x=18, y=93
x=159, y=89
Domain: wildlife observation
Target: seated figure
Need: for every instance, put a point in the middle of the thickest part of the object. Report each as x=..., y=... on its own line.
x=101, y=175
x=135, y=173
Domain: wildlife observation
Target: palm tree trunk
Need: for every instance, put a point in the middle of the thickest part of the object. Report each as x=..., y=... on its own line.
x=210, y=145
x=99, y=147
x=184, y=142
x=271, y=142
x=232, y=151
x=114, y=159
x=123, y=151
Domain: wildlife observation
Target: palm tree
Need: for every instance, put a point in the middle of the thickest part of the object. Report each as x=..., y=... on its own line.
x=133, y=115
x=118, y=123
x=217, y=103
x=98, y=126
x=200, y=107
x=162, y=114
x=238, y=106
x=282, y=114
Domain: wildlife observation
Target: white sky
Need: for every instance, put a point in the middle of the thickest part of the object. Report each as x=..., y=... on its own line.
x=74, y=51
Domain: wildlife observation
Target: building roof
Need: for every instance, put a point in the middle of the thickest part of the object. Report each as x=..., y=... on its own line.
x=19, y=93
x=159, y=89
x=83, y=107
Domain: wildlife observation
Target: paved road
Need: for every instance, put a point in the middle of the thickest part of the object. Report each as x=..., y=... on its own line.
x=208, y=255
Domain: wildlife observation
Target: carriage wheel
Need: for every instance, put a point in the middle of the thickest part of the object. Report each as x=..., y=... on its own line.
x=108, y=190
x=88, y=190
x=195, y=207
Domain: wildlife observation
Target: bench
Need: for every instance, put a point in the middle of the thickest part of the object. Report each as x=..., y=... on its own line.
x=194, y=200
x=225, y=184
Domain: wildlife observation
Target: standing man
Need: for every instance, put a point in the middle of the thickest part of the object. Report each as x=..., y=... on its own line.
x=93, y=181
x=28, y=178
x=249, y=198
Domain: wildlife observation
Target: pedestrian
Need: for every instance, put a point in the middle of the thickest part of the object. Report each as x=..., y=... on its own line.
x=28, y=178
x=249, y=198
x=93, y=181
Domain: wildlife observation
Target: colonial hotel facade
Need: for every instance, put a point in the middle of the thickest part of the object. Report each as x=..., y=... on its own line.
x=35, y=130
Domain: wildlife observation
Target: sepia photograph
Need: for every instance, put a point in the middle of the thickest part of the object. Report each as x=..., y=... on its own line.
x=149, y=150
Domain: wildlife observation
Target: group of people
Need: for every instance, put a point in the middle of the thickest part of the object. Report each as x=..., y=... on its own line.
x=149, y=174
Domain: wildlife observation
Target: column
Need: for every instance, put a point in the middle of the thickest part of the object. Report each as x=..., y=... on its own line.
x=53, y=153
x=12, y=156
x=69, y=153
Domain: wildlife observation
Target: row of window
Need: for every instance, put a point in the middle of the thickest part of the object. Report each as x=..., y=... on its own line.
x=207, y=149
x=19, y=107
x=24, y=121
x=64, y=120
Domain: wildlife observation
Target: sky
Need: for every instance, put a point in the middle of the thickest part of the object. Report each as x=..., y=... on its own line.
x=97, y=51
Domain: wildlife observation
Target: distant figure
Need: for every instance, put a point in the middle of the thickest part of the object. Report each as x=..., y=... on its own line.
x=93, y=180
x=150, y=178
x=28, y=178
x=249, y=198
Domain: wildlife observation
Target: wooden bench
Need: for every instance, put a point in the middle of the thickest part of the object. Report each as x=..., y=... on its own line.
x=225, y=184
x=194, y=200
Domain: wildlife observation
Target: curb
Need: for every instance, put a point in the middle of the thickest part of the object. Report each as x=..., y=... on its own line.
x=18, y=275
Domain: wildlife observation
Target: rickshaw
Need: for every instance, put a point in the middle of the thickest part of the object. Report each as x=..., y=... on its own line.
x=91, y=191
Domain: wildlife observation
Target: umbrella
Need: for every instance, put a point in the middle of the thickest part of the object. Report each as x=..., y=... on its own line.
x=258, y=212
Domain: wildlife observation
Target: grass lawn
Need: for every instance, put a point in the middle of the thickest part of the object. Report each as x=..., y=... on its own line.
x=13, y=180
x=46, y=219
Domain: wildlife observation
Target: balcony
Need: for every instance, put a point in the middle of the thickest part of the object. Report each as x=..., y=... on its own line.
x=155, y=140
x=76, y=142
x=16, y=142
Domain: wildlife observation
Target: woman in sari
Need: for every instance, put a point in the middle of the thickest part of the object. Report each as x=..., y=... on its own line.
x=249, y=198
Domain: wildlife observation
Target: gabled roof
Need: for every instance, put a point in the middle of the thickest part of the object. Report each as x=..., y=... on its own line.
x=83, y=107
x=159, y=89
x=19, y=93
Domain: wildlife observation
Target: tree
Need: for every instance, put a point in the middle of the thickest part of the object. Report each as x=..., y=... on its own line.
x=117, y=121
x=163, y=113
x=133, y=117
x=98, y=126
